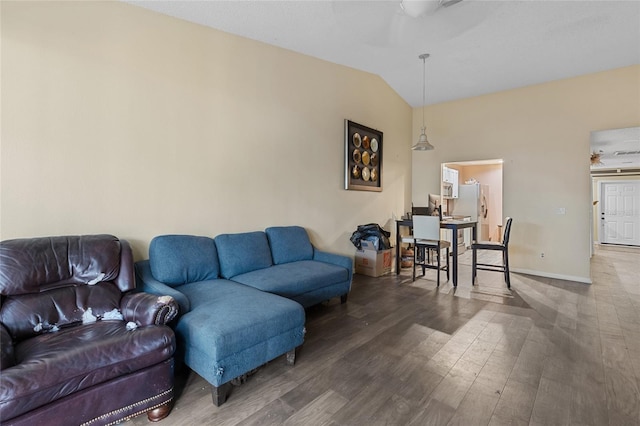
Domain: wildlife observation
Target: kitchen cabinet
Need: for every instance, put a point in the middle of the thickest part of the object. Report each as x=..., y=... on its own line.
x=449, y=182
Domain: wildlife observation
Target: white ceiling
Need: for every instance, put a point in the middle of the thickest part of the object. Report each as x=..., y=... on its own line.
x=476, y=47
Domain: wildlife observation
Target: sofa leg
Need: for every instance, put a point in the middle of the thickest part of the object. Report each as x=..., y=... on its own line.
x=343, y=298
x=291, y=357
x=220, y=393
x=160, y=412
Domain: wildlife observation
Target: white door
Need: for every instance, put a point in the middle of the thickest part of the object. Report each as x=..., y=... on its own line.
x=620, y=212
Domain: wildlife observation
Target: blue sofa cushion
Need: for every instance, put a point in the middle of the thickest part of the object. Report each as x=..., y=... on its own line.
x=234, y=320
x=289, y=244
x=294, y=278
x=244, y=252
x=180, y=259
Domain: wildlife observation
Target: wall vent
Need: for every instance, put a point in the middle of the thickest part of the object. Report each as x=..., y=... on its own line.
x=636, y=152
x=616, y=172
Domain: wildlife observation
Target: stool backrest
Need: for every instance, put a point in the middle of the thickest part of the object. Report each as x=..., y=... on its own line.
x=426, y=228
x=507, y=231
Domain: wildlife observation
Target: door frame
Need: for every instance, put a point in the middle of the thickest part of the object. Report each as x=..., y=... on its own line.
x=601, y=205
x=496, y=197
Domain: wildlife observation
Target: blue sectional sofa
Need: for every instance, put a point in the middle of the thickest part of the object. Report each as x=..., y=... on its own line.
x=241, y=296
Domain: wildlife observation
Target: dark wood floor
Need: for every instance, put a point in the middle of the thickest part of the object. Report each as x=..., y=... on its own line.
x=548, y=352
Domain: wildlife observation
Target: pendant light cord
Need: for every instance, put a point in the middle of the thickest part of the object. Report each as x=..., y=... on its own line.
x=424, y=57
x=424, y=85
x=423, y=143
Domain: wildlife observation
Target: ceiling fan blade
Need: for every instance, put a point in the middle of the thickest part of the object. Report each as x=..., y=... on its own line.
x=420, y=8
x=376, y=23
x=448, y=3
x=386, y=23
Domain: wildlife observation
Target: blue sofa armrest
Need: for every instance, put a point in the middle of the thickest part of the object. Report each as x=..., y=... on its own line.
x=147, y=283
x=334, y=259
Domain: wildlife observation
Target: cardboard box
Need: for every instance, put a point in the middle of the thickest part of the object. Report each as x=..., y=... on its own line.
x=371, y=262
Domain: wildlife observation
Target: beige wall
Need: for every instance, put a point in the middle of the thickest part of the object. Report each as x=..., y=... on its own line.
x=116, y=119
x=542, y=132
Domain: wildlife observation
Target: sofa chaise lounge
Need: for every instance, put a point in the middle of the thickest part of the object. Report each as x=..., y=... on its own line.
x=241, y=296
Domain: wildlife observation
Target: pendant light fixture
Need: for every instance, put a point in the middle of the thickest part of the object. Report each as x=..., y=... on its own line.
x=423, y=143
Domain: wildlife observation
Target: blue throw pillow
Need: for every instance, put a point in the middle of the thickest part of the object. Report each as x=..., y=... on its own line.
x=244, y=252
x=289, y=244
x=181, y=259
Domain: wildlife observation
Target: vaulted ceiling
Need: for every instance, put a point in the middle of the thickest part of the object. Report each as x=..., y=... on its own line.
x=477, y=47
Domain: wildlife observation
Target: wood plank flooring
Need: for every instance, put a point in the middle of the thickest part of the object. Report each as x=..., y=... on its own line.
x=548, y=352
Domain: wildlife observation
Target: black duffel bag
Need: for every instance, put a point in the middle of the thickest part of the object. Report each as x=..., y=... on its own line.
x=371, y=232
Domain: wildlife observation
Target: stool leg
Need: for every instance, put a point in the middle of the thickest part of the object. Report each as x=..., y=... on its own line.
x=438, y=254
x=447, y=263
x=473, y=266
x=506, y=269
x=415, y=259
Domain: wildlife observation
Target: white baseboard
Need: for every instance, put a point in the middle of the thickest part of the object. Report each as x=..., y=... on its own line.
x=585, y=280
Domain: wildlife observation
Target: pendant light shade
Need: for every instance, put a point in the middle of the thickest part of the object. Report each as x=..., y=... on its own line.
x=423, y=143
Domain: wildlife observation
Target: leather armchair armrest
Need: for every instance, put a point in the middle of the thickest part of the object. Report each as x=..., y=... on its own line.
x=147, y=309
x=7, y=358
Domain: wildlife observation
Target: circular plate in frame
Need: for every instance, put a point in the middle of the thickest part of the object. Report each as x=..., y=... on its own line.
x=366, y=174
x=357, y=141
x=356, y=155
x=355, y=172
x=366, y=158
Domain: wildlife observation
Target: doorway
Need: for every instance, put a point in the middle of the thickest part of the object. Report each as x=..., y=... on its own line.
x=619, y=212
x=615, y=186
x=484, y=203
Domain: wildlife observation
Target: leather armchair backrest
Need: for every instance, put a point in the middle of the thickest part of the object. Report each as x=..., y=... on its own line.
x=28, y=315
x=32, y=265
x=51, y=282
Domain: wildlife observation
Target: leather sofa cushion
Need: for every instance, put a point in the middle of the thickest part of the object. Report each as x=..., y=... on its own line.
x=289, y=244
x=295, y=278
x=180, y=259
x=53, y=365
x=32, y=314
x=30, y=265
x=7, y=358
x=244, y=252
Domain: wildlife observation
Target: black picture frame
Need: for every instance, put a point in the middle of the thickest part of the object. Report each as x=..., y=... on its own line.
x=362, y=157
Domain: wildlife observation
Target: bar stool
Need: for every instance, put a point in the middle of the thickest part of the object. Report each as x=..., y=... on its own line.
x=426, y=234
x=495, y=246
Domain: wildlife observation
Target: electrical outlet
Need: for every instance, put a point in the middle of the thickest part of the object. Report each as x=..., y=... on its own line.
x=542, y=255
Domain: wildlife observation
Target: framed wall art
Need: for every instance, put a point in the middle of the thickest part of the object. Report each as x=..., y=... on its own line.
x=362, y=157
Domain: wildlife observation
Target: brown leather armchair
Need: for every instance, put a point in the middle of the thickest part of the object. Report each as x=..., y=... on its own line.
x=78, y=346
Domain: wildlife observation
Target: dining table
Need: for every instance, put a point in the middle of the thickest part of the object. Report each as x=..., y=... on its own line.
x=454, y=225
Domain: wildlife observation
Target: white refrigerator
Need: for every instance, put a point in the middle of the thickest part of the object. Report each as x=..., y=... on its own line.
x=473, y=201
